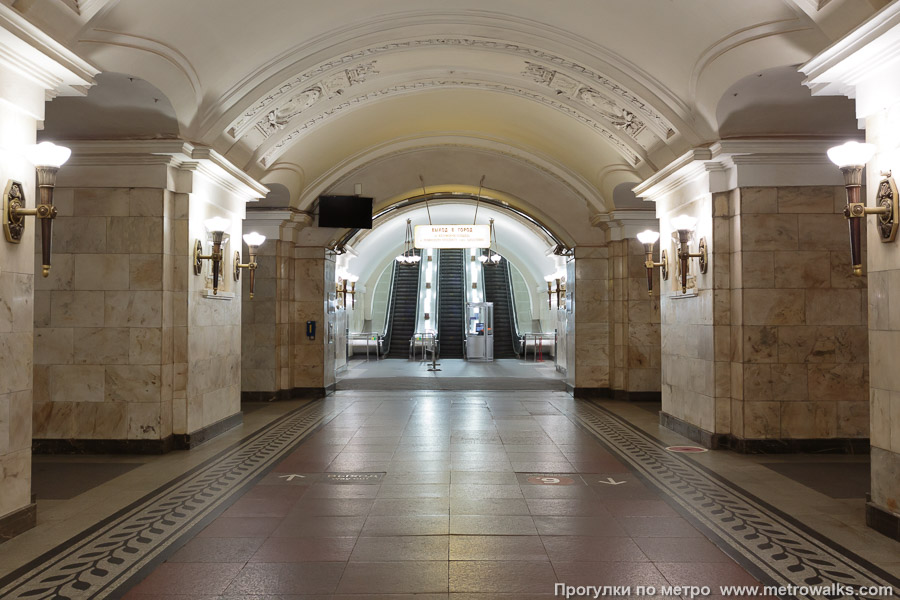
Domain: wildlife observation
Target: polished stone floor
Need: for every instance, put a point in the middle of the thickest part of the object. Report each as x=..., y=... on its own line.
x=411, y=494
x=454, y=375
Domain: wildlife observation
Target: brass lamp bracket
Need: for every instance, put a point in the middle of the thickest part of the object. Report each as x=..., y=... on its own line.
x=704, y=256
x=13, y=219
x=887, y=198
x=198, y=257
x=238, y=265
x=663, y=264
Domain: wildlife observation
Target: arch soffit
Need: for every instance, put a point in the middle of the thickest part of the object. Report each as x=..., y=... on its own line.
x=547, y=167
x=634, y=112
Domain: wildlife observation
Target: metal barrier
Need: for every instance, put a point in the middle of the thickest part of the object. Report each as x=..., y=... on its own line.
x=537, y=346
x=371, y=339
x=424, y=340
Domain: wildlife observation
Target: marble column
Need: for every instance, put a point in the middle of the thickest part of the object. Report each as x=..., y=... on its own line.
x=266, y=318
x=635, y=351
x=767, y=350
x=135, y=352
x=863, y=66
x=23, y=93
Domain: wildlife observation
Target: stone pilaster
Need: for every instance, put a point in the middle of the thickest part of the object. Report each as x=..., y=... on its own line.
x=23, y=95
x=863, y=66
x=136, y=352
x=766, y=351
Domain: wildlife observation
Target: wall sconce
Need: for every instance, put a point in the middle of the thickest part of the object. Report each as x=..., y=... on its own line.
x=559, y=290
x=47, y=158
x=216, y=227
x=851, y=158
x=254, y=241
x=347, y=286
x=648, y=239
x=684, y=224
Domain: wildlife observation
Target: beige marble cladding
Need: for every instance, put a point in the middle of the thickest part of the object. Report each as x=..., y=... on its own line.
x=688, y=358
x=635, y=341
x=99, y=351
x=591, y=310
x=800, y=362
x=265, y=324
x=883, y=267
x=312, y=360
x=127, y=346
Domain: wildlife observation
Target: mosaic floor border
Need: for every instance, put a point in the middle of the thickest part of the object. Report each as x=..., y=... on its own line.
x=773, y=545
x=96, y=563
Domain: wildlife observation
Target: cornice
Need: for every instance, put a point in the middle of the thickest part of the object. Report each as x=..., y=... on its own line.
x=852, y=58
x=29, y=51
x=177, y=153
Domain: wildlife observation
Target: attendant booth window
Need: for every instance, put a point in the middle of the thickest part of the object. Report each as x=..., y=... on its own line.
x=480, y=331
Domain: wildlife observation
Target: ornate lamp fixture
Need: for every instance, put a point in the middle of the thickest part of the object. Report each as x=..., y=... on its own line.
x=559, y=290
x=684, y=224
x=851, y=158
x=216, y=227
x=409, y=256
x=492, y=258
x=648, y=239
x=47, y=158
x=254, y=241
x=346, y=285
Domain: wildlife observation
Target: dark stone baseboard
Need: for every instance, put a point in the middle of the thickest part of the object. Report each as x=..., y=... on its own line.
x=881, y=520
x=707, y=439
x=18, y=521
x=291, y=394
x=57, y=446
x=627, y=396
x=592, y=393
x=186, y=441
x=727, y=441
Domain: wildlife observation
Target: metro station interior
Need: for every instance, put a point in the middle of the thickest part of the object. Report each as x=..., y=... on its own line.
x=467, y=300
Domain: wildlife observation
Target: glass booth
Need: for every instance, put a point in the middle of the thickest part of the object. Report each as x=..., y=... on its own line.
x=480, y=331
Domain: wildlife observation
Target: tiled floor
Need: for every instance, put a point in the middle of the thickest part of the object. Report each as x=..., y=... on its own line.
x=462, y=495
x=468, y=504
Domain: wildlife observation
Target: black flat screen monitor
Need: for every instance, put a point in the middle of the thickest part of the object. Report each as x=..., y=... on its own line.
x=353, y=212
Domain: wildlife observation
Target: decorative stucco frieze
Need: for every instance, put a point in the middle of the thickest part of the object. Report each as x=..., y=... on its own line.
x=624, y=100
x=277, y=117
x=286, y=140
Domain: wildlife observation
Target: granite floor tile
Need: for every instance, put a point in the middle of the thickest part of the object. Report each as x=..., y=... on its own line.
x=564, y=549
x=289, y=549
x=287, y=578
x=491, y=525
x=394, y=577
x=400, y=548
x=488, y=577
x=199, y=578
x=497, y=547
x=406, y=525
x=218, y=550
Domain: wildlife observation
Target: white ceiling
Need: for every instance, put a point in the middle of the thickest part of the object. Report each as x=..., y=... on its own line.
x=597, y=93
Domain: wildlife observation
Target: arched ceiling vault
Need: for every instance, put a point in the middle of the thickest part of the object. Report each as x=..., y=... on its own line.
x=287, y=90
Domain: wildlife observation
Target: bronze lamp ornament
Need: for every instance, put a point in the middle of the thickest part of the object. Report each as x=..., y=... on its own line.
x=216, y=227
x=559, y=291
x=254, y=241
x=684, y=225
x=47, y=158
x=648, y=239
x=851, y=158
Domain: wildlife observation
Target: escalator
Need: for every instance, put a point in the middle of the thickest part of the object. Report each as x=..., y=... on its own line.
x=404, y=305
x=498, y=289
x=451, y=302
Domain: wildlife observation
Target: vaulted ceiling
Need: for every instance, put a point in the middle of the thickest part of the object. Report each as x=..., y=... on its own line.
x=583, y=95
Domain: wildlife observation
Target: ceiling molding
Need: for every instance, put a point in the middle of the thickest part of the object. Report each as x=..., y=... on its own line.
x=275, y=147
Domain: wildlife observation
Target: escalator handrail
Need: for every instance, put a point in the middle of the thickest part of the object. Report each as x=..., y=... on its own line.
x=389, y=317
x=513, y=313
